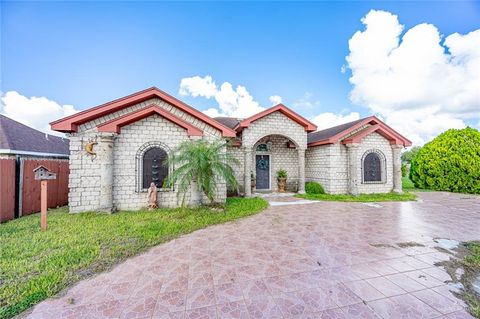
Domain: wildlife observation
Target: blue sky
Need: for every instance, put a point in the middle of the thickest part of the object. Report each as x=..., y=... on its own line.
x=87, y=53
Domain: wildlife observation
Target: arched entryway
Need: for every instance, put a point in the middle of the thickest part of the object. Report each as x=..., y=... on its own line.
x=269, y=154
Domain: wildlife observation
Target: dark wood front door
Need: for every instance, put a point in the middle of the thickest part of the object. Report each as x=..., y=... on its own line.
x=262, y=164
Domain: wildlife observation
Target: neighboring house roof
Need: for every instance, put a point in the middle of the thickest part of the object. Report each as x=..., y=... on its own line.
x=337, y=133
x=309, y=126
x=17, y=138
x=70, y=123
x=115, y=125
x=230, y=122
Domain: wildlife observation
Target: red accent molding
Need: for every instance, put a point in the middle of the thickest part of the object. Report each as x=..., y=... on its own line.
x=309, y=126
x=115, y=125
x=358, y=137
x=70, y=123
x=376, y=126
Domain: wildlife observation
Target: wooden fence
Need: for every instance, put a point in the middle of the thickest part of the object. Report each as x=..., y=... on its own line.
x=18, y=178
x=7, y=189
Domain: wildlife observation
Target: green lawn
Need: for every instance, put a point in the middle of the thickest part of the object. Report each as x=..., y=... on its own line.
x=35, y=265
x=388, y=197
x=407, y=183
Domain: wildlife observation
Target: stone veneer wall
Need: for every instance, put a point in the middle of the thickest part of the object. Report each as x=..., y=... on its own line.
x=279, y=127
x=280, y=157
x=328, y=165
x=375, y=141
x=274, y=124
x=84, y=181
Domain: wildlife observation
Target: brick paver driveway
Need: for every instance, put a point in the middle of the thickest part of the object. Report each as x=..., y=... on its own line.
x=322, y=260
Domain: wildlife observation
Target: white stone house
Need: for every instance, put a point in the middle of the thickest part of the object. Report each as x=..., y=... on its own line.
x=118, y=148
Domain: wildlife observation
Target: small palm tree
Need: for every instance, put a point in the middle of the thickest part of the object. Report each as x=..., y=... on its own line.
x=204, y=162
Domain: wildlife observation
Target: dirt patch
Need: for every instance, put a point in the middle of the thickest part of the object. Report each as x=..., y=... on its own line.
x=409, y=244
x=464, y=276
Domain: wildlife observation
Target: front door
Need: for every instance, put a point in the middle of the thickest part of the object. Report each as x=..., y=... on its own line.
x=262, y=164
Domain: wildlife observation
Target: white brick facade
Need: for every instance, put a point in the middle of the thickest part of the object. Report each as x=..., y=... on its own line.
x=336, y=167
x=328, y=165
x=85, y=172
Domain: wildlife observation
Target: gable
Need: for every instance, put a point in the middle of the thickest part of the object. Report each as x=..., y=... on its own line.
x=354, y=132
x=115, y=125
x=308, y=126
x=71, y=123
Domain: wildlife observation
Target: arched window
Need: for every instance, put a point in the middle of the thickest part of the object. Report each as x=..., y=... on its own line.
x=373, y=167
x=154, y=167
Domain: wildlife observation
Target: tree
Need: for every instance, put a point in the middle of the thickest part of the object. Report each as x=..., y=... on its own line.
x=203, y=162
x=407, y=156
x=450, y=162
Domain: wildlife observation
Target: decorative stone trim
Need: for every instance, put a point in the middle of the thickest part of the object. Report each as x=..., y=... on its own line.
x=383, y=167
x=139, y=165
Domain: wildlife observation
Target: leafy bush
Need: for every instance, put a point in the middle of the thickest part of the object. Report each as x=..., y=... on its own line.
x=314, y=188
x=404, y=170
x=281, y=173
x=450, y=162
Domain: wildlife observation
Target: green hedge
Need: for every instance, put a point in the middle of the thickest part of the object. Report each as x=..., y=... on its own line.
x=450, y=162
x=314, y=188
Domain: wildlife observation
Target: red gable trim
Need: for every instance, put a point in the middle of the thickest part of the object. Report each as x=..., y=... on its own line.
x=115, y=125
x=358, y=137
x=309, y=126
x=70, y=123
x=376, y=125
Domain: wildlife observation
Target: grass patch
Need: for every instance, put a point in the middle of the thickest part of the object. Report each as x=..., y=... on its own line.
x=407, y=183
x=471, y=263
x=387, y=197
x=473, y=258
x=35, y=265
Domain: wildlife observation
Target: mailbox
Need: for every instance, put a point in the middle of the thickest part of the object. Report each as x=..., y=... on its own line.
x=42, y=173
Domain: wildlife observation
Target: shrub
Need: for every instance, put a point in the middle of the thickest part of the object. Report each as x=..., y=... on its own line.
x=404, y=170
x=281, y=173
x=450, y=162
x=314, y=188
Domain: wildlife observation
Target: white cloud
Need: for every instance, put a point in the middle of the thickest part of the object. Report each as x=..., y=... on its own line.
x=235, y=102
x=307, y=101
x=275, y=99
x=420, y=88
x=326, y=120
x=36, y=112
x=198, y=86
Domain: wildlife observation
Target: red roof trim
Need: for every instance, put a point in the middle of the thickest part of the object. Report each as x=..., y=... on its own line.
x=115, y=125
x=70, y=123
x=309, y=126
x=358, y=137
x=384, y=130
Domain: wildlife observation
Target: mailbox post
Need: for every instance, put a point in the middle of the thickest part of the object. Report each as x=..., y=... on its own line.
x=43, y=174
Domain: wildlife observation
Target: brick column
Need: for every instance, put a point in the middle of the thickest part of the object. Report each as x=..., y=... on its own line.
x=247, y=151
x=353, y=168
x=301, y=171
x=397, y=168
x=105, y=156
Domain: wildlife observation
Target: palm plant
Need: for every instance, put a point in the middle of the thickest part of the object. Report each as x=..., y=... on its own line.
x=203, y=162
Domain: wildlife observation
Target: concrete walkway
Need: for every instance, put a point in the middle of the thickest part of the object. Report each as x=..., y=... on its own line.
x=318, y=260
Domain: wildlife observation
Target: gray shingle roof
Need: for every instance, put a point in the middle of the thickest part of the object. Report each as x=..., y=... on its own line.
x=330, y=132
x=230, y=122
x=19, y=137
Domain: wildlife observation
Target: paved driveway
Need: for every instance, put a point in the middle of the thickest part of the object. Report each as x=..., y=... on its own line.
x=322, y=260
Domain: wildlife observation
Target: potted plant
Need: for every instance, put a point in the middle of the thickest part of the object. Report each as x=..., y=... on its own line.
x=282, y=180
x=253, y=182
